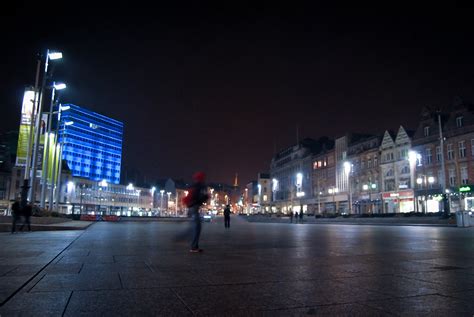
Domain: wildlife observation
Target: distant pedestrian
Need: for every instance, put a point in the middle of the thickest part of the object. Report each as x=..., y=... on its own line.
x=197, y=195
x=16, y=213
x=27, y=211
x=227, y=216
x=296, y=217
x=291, y=216
x=301, y=213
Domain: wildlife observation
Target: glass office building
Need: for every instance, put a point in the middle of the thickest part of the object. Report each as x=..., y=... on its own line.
x=91, y=142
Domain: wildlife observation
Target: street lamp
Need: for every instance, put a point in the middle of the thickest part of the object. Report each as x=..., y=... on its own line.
x=50, y=55
x=259, y=186
x=161, y=201
x=347, y=170
x=274, y=189
x=153, y=189
x=46, y=156
x=168, y=201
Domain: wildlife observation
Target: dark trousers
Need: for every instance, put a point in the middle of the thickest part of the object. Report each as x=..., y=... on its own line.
x=27, y=222
x=15, y=219
x=196, y=223
x=227, y=221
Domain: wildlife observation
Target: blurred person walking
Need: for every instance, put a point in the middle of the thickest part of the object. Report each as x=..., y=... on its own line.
x=16, y=213
x=197, y=195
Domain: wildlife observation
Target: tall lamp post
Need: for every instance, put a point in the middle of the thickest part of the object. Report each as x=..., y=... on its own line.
x=274, y=190
x=412, y=159
x=161, y=201
x=168, y=202
x=153, y=189
x=47, y=141
x=347, y=170
x=50, y=55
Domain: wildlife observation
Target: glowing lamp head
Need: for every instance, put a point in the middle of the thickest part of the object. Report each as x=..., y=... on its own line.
x=60, y=86
x=347, y=167
x=55, y=55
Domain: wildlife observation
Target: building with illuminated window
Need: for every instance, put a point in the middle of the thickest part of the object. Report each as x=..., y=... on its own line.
x=91, y=142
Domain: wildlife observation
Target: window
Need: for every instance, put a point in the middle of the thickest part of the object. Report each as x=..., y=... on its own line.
x=426, y=131
x=369, y=163
x=389, y=173
x=404, y=154
x=462, y=148
x=452, y=177
x=429, y=156
x=438, y=154
x=459, y=121
x=376, y=160
x=450, y=152
x=464, y=175
x=405, y=170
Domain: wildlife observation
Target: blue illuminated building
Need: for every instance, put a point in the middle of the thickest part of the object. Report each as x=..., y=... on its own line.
x=92, y=143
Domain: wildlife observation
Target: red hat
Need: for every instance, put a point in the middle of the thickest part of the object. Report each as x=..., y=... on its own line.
x=199, y=177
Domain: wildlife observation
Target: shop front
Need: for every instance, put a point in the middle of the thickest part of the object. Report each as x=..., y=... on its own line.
x=398, y=201
x=367, y=204
x=428, y=200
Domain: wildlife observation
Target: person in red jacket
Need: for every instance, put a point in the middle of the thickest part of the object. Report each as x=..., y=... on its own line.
x=197, y=196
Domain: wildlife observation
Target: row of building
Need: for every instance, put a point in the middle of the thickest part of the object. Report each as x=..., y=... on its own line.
x=430, y=169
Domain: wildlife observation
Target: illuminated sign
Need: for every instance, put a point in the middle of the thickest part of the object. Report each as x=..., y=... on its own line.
x=25, y=127
x=464, y=189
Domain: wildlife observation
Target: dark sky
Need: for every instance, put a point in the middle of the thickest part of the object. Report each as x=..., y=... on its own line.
x=215, y=88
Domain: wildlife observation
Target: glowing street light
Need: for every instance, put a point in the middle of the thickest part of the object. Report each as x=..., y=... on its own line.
x=34, y=144
x=55, y=55
x=161, y=200
x=347, y=170
x=167, y=202
x=130, y=186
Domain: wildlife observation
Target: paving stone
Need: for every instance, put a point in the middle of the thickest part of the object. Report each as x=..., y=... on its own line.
x=138, y=280
x=155, y=302
x=32, y=304
x=428, y=305
x=327, y=310
x=60, y=282
x=67, y=268
x=222, y=299
x=446, y=281
x=392, y=285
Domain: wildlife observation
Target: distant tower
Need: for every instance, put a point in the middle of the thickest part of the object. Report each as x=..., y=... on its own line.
x=236, y=180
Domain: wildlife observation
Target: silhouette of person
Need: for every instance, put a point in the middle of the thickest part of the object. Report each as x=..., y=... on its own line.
x=227, y=216
x=27, y=211
x=197, y=196
x=16, y=213
x=291, y=216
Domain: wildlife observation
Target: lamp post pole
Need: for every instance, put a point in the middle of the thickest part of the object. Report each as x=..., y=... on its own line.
x=34, y=164
x=443, y=169
x=161, y=201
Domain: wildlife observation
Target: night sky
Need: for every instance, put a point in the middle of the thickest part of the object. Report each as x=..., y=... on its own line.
x=216, y=88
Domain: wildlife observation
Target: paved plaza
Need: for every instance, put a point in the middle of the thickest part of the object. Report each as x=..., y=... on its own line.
x=274, y=269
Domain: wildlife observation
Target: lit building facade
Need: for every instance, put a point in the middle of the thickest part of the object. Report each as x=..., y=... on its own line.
x=396, y=172
x=91, y=142
x=365, y=178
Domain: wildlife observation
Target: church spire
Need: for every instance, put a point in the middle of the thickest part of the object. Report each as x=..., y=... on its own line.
x=236, y=180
